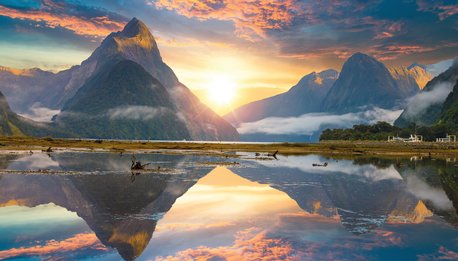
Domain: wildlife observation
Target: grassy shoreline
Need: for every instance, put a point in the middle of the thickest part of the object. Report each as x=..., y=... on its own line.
x=354, y=148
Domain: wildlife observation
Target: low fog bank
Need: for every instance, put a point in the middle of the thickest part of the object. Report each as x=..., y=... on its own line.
x=309, y=126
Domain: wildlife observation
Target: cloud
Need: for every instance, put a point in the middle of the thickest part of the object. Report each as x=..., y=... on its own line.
x=189, y=227
x=438, y=68
x=440, y=7
x=442, y=254
x=80, y=20
x=310, y=123
x=424, y=191
x=251, y=18
x=249, y=244
x=78, y=241
x=367, y=171
x=392, y=51
x=35, y=161
x=38, y=113
x=136, y=112
x=423, y=100
x=389, y=31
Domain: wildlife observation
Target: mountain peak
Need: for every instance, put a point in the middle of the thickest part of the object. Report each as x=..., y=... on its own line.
x=415, y=64
x=363, y=81
x=135, y=42
x=135, y=27
x=329, y=73
x=361, y=57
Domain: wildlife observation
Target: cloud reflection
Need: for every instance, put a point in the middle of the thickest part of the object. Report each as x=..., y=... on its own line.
x=367, y=171
x=78, y=241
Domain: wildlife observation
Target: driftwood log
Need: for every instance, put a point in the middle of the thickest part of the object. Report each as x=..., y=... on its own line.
x=48, y=150
x=274, y=155
x=137, y=165
x=320, y=165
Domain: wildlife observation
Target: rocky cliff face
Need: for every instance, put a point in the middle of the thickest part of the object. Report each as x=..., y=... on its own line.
x=426, y=108
x=363, y=82
x=449, y=113
x=420, y=74
x=405, y=79
x=31, y=88
x=12, y=124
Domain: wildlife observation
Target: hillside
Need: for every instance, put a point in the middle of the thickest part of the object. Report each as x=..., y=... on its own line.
x=305, y=97
x=364, y=82
x=122, y=101
x=425, y=109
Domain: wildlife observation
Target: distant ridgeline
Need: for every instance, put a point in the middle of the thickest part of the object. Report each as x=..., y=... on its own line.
x=330, y=99
x=382, y=130
x=433, y=113
x=124, y=90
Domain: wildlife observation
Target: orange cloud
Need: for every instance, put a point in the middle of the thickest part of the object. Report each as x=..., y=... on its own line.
x=389, y=31
x=442, y=254
x=248, y=245
x=53, y=15
x=441, y=8
x=311, y=216
x=448, y=254
x=251, y=18
x=78, y=241
x=192, y=227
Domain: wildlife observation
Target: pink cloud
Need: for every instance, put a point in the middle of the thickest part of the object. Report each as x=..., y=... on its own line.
x=441, y=8
x=53, y=14
x=78, y=241
x=249, y=244
x=389, y=31
x=442, y=254
x=251, y=18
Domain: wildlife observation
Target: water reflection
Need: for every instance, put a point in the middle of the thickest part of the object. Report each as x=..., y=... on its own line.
x=52, y=229
x=366, y=208
x=122, y=214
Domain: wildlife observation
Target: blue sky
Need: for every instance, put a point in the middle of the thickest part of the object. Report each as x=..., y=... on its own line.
x=266, y=43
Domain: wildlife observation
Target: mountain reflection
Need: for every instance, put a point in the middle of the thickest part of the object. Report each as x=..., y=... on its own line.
x=283, y=209
x=366, y=192
x=122, y=214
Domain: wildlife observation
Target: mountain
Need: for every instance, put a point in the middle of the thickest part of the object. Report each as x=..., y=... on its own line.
x=439, y=67
x=12, y=124
x=425, y=108
x=407, y=84
x=134, y=42
x=421, y=74
x=364, y=82
x=449, y=113
x=411, y=78
x=123, y=101
x=416, y=64
x=361, y=203
x=106, y=86
x=157, y=105
x=123, y=215
x=305, y=97
x=28, y=88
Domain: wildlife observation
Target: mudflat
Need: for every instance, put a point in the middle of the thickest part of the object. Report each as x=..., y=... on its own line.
x=433, y=149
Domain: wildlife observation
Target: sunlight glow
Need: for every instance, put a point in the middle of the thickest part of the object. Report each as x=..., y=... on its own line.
x=221, y=90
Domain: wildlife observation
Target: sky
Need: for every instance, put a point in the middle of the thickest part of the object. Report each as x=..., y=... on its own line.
x=263, y=45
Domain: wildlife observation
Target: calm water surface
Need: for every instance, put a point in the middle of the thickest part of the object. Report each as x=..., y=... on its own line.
x=89, y=206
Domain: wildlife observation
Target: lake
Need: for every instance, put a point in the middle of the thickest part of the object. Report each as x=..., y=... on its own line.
x=75, y=205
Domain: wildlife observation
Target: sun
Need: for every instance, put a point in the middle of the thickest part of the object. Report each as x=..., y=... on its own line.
x=221, y=90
